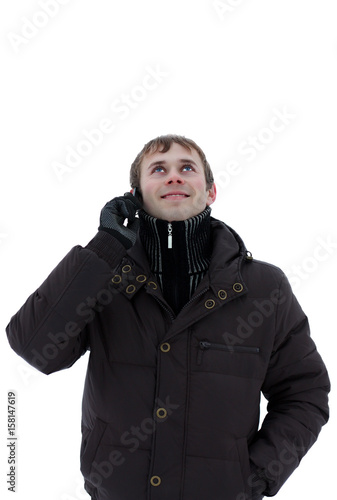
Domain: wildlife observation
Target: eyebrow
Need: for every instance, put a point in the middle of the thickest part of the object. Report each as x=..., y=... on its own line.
x=163, y=162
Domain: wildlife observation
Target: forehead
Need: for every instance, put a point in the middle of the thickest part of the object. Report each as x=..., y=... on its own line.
x=176, y=152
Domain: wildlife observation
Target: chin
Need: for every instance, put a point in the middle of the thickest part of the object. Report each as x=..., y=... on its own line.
x=178, y=216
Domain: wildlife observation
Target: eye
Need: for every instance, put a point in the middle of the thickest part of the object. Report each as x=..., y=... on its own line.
x=157, y=169
x=189, y=167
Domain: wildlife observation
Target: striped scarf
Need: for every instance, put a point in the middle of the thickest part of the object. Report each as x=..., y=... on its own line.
x=179, y=269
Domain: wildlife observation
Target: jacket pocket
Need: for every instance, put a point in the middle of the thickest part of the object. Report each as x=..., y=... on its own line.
x=91, y=440
x=204, y=346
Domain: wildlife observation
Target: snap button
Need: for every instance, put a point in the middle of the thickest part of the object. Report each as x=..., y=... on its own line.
x=222, y=294
x=249, y=256
x=161, y=413
x=209, y=304
x=141, y=278
x=153, y=285
x=165, y=347
x=237, y=287
x=126, y=269
x=155, y=480
x=117, y=278
x=130, y=289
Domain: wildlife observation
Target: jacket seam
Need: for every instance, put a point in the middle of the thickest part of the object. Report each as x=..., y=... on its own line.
x=229, y=374
x=214, y=458
x=154, y=439
x=186, y=419
x=153, y=367
x=277, y=309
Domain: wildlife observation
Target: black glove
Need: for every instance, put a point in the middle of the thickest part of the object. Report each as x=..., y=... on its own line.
x=113, y=215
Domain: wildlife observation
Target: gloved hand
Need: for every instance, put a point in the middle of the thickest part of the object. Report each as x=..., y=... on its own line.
x=113, y=215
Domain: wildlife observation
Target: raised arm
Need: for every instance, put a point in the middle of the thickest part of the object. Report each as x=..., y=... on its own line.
x=49, y=331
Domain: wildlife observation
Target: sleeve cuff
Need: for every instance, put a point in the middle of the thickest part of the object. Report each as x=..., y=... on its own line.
x=107, y=248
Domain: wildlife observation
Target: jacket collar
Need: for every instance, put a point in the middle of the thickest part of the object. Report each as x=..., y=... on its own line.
x=223, y=281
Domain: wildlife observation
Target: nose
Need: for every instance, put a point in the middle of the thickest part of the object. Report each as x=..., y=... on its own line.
x=174, y=178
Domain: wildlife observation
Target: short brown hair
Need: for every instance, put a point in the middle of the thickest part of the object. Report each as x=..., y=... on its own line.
x=163, y=144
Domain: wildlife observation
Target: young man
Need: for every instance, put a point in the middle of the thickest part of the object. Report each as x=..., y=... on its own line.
x=185, y=330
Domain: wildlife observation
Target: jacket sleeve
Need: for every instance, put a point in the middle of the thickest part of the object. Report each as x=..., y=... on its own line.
x=50, y=329
x=296, y=387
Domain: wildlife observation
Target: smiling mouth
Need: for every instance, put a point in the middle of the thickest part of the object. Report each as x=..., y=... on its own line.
x=175, y=196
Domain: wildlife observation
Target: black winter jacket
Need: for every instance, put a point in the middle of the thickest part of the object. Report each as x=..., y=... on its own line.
x=171, y=404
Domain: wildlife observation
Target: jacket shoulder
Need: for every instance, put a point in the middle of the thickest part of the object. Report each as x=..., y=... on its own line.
x=263, y=277
x=266, y=267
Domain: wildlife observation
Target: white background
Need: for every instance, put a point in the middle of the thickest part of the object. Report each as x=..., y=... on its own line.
x=224, y=76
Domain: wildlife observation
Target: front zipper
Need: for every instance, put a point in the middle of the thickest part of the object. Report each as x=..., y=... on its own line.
x=204, y=345
x=165, y=308
x=169, y=237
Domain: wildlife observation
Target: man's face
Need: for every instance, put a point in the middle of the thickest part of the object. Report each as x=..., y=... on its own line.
x=173, y=184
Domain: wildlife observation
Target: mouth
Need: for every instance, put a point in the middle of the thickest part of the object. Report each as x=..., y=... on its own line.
x=175, y=196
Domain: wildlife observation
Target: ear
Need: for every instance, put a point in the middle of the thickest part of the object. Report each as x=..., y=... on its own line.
x=211, y=195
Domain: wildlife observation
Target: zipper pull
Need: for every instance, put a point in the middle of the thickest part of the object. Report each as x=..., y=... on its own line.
x=169, y=238
x=203, y=345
